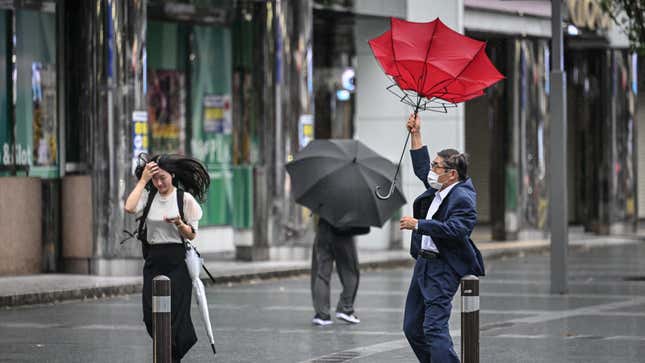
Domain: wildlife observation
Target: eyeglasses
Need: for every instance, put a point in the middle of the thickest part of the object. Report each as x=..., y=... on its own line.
x=435, y=165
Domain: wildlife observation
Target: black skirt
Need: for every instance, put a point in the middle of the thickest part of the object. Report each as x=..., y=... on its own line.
x=168, y=259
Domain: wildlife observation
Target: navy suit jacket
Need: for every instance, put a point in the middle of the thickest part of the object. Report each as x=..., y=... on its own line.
x=452, y=224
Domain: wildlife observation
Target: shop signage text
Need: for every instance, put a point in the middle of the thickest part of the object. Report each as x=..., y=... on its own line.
x=22, y=155
x=215, y=150
x=587, y=14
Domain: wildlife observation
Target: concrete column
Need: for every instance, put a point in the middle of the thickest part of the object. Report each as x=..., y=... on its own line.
x=77, y=224
x=20, y=222
x=263, y=73
x=284, y=71
x=111, y=68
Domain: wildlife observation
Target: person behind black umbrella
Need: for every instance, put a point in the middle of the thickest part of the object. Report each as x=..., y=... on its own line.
x=335, y=244
x=335, y=178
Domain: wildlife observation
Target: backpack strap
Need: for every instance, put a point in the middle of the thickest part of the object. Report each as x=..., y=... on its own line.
x=144, y=216
x=180, y=203
x=180, y=206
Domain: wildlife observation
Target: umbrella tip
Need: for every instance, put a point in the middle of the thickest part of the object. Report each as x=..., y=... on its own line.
x=213, y=346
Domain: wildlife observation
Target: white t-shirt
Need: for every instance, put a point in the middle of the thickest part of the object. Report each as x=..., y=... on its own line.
x=160, y=231
x=426, y=241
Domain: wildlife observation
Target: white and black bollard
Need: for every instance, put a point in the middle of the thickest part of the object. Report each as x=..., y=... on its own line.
x=470, y=319
x=161, y=320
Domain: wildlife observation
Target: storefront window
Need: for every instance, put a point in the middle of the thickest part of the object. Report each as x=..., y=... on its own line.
x=211, y=122
x=36, y=112
x=624, y=183
x=533, y=119
x=166, y=87
x=334, y=57
x=189, y=103
x=601, y=138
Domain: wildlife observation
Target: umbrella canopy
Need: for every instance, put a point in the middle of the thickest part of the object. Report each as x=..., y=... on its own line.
x=335, y=179
x=194, y=265
x=434, y=62
x=433, y=67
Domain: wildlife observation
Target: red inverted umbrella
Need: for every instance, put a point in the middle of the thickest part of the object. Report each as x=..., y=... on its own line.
x=433, y=67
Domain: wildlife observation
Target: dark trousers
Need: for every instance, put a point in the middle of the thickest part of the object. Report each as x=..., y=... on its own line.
x=168, y=259
x=427, y=310
x=328, y=248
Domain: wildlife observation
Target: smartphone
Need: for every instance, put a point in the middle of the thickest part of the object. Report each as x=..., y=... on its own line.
x=171, y=219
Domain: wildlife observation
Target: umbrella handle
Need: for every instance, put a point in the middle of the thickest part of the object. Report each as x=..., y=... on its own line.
x=386, y=196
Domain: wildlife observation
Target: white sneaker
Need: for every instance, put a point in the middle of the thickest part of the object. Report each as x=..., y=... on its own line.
x=320, y=321
x=352, y=319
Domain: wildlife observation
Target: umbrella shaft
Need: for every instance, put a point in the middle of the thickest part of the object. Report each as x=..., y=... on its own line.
x=416, y=110
x=398, y=166
x=396, y=173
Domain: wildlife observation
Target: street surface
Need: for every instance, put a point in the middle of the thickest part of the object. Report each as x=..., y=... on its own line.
x=602, y=319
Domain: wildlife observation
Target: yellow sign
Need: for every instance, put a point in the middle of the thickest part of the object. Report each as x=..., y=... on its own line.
x=139, y=133
x=217, y=114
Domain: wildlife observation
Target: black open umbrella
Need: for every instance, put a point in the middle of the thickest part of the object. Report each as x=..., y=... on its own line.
x=336, y=179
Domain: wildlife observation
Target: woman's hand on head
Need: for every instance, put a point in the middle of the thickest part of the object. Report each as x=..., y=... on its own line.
x=149, y=171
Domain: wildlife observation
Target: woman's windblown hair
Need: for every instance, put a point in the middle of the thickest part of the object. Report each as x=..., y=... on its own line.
x=187, y=173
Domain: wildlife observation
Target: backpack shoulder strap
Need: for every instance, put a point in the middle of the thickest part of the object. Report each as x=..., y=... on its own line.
x=180, y=206
x=180, y=203
x=146, y=209
x=151, y=197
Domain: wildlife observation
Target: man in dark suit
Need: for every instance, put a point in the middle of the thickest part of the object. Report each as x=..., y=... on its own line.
x=443, y=219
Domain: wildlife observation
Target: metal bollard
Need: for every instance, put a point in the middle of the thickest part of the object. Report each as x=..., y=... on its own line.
x=161, y=320
x=470, y=319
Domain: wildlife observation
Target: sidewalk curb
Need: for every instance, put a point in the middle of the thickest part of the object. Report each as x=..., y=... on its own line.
x=49, y=297
x=495, y=254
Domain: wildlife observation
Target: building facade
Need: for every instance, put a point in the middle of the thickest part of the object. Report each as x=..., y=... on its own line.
x=244, y=85
x=88, y=86
x=507, y=130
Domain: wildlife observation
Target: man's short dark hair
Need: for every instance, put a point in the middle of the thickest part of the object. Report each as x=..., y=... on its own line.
x=455, y=160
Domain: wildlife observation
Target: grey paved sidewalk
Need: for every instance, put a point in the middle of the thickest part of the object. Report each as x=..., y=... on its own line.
x=600, y=320
x=51, y=288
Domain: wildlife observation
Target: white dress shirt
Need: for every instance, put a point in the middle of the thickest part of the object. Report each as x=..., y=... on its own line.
x=426, y=241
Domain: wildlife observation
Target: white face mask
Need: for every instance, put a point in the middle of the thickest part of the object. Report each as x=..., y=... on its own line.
x=433, y=180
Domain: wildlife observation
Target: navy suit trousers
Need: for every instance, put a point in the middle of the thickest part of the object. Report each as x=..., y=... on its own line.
x=427, y=310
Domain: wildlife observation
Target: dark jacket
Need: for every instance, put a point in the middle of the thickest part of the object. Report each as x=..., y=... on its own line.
x=451, y=226
x=344, y=231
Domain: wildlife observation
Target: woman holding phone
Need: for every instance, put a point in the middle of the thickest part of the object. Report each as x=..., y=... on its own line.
x=161, y=179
